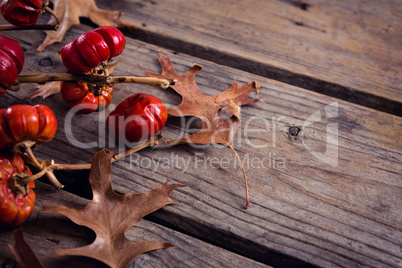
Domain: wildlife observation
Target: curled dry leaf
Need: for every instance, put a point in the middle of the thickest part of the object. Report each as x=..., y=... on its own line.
x=69, y=13
x=215, y=129
x=24, y=254
x=110, y=215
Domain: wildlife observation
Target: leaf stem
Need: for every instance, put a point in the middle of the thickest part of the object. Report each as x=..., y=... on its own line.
x=244, y=174
x=147, y=143
x=95, y=79
x=51, y=12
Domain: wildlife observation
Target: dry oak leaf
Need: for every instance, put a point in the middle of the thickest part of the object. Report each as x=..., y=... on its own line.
x=215, y=128
x=45, y=90
x=109, y=215
x=69, y=12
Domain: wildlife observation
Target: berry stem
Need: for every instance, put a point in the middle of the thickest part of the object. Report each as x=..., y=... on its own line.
x=47, y=167
x=29, y=158
x=147, y=143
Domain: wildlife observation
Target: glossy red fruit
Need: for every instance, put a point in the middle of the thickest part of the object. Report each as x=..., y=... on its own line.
x=137, y=118
x=21, y=12
x=90, y=49
x=115, y=40
x=25, y=122
x=89, y=97
x=14, y=209
x=11, y=62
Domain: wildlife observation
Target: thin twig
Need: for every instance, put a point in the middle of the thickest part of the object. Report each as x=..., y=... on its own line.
x=69, y=167
x=162, y=82
x=141, y=146
x=44, y=27
x=47, y=167
x=29, y=157
x=95, y=79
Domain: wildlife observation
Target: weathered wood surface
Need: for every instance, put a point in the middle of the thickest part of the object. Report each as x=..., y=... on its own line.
x=303, y=212
x=346, y=49
x=47, y=232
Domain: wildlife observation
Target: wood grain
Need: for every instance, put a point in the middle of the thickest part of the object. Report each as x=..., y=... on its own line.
x=304, y=212
x=346, y=49
x=47, y=232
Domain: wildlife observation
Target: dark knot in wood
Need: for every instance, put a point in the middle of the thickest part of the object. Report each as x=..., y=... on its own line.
x=294, y=130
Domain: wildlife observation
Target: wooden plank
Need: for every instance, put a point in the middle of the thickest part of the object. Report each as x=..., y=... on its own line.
x=346, y=49
x=304, y=211
x=47, y=232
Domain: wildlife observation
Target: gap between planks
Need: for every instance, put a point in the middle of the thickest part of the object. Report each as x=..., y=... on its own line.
x=278, y=31
x=295, y=79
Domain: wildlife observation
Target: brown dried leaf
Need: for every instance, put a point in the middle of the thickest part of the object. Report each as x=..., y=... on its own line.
x=24, y=254
x=215, y=129
x=110, y=215
x=45, y=90
x=69, y=13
